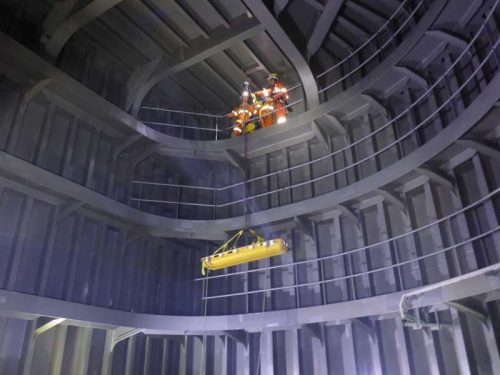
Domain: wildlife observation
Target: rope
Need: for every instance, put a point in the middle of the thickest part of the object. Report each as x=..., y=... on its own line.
x=205, y=309
x=245, y=170
x=257, y=369
x=247, y=222
x=205, y=283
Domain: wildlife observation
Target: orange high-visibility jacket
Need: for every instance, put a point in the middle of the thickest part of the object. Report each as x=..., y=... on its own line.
x=276, y=91
x=242, y=113
x=276, y=96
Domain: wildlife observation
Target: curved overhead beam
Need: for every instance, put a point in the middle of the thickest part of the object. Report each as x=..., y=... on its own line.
x=222, y=38
x=260, y=11
x=298, y=127
x=70, y=25
x=139, y=78
x=71, y=95
x=57, y=15
x=323, y=26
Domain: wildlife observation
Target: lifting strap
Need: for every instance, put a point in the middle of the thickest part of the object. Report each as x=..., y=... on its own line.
x=232, y=244
x=235, y=238
x=245, y=169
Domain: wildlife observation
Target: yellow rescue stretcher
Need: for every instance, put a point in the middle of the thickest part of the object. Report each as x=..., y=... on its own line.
x=260, y=249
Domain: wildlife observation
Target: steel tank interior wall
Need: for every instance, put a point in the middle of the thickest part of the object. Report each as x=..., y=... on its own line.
x=464, y=344
x=57, y=247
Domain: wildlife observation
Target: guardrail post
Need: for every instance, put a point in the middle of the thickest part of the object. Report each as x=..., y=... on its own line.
x=183, y=124
x=216, y=129
x=215, y=203
x=178, y=202
x=140, y=195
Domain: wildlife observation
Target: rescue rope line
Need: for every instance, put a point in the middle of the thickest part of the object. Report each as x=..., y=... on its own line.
x=245, y=167
x=257, y=369
x=205, y=311
x=247, y=222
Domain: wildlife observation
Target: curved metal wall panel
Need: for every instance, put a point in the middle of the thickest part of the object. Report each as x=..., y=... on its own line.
x=78, y=256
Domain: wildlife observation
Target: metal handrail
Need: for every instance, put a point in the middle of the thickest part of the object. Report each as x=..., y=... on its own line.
x=173, y=185
x=294, y=86
x=182, y=112
x=366, y=247
x=269, y=113
x=222, y=129
x=385, y=24
x=333, y=173
x=397, y=117
x=376, y=52
x=172, y=202
x=365, y=273
x=299, y=84
x=432, y=115
x=180, y=126
x=368, y=136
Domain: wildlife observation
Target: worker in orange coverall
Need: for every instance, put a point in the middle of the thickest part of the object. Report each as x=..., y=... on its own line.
x=275, y=99
x=243, y=114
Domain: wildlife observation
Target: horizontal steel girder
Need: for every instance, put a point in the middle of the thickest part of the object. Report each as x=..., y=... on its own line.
x=215, y=229
x=28, y=306
x=475, y=283
x=19, y=171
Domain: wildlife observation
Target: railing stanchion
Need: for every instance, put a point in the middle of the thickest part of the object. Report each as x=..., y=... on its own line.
x=490, y=42
x=296, y=282
x=178, y=202
x=454, y=254
x=183, y=125
x=392, y=244
x=351, y=279
x=140, y=195
x=323, y=284
x=215, y=204
x=216, y=129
